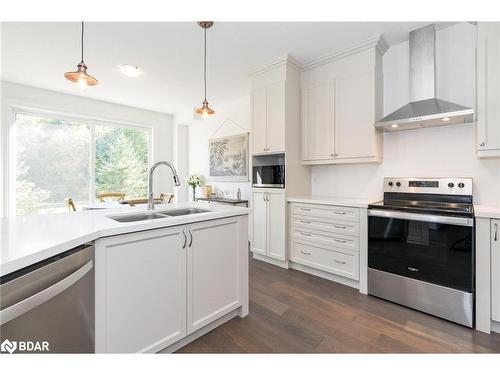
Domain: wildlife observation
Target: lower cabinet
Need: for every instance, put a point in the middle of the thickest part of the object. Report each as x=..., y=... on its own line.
x=269, y=227
x=213, y=282
x=326, y=238
x=155, y=287
x=495, y=270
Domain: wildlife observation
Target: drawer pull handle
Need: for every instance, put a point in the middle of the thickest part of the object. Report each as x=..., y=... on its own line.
x=305, y=234
x=305, y=221
x=341, y=241
x=339, y=261
x=412, y=269
x=303, y=252
x=305, y=209
x=339, y=213
x=339, y=226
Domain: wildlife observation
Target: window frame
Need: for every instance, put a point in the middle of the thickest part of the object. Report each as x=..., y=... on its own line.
x=90, y=121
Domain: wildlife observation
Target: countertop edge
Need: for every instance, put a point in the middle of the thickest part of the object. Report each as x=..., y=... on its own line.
x=486, y=212
x=121, y=228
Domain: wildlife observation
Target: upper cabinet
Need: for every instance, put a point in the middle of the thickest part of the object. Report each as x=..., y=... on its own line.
x=488, y=90
x=341, y=100
x=268, y=118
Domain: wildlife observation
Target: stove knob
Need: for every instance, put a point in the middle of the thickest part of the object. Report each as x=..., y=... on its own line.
x=461, y=185
x=390, y=183
x=398, y=183
x=451, y=184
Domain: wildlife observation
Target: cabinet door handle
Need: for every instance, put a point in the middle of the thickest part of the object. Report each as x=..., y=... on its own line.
x=335, y=154
x=305, y=221
x=191, y=238
x=482, y=144
x=305, y=253
x=185, y=238
x=495, y=237
x=339, y=261
x=305, y=234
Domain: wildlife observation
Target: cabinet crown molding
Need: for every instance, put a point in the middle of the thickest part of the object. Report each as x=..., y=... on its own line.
x=378, y=41
x=281, y=61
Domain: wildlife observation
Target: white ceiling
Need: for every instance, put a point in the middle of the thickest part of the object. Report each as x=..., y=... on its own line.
x=171, y=54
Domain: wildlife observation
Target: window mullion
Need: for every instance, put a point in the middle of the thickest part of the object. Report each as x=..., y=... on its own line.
x=92, y=162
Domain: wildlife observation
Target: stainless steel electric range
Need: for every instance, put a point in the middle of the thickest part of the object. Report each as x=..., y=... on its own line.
x=421, y=246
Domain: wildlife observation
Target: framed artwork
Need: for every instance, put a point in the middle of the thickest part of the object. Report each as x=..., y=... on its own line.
x=228, y=158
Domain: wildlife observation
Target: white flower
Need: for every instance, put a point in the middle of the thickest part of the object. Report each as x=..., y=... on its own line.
x=194, y=180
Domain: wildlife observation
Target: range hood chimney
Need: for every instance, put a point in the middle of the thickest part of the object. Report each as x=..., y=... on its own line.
x=424, y=109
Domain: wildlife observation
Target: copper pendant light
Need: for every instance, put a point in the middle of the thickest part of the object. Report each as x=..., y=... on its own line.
x=80, y=76
x=205, y=110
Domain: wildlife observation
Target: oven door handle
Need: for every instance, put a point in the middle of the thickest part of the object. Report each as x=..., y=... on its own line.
x=461, y=221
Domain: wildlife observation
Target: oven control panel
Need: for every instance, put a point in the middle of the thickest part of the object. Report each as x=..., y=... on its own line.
x=429, y=185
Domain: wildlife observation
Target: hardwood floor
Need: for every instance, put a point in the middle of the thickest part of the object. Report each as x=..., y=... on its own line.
x=293, y=312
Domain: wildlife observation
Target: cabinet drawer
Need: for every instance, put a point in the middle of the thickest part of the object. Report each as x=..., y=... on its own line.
x=326, y=238
x=324, y=211
x=327, y=225
x=341, y=263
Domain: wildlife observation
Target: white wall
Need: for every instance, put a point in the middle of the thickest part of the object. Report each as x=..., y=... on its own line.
x=444, y=151
x=200, y=131
x=15, y=95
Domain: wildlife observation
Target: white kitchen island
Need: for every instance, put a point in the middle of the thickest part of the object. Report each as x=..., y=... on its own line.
x=159, y=283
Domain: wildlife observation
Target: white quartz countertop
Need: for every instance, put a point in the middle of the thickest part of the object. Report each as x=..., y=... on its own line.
x=492, y=212
x=26, y=240
x=334, y=201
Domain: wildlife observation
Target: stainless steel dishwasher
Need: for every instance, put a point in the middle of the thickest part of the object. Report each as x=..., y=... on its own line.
x=52, y=302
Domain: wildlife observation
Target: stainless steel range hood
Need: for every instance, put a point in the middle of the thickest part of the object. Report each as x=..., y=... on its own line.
x=424, y=109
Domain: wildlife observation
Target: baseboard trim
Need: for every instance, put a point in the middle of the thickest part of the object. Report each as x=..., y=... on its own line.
x=324, y=275
x=186, y=340
x=272, y=261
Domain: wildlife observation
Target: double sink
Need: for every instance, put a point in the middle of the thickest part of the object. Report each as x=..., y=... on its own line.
x=157, y=215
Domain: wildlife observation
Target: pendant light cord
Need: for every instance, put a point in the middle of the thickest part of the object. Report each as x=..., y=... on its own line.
x=82, y=40
x=205, y=64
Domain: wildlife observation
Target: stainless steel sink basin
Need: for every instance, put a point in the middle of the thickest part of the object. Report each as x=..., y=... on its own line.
x=156, y=215
x=138, y=217
x=183, y=211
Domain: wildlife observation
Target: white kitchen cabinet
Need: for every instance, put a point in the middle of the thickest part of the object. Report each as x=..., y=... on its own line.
x=495, y=270
x=259, y=222
x=488, y=90
x=268, y=118
x=213, y=276
x=157, y=287
x=276, y=227
x=354, y=117
x=317, y=121
x=342, y=98
x=140, y=291
x=269, y=228
x=337, y=120
x=259, y=120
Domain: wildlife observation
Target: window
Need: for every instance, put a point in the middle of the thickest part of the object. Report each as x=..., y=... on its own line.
x=57, y=159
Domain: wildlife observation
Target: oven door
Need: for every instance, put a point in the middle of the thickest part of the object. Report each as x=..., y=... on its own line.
x=434, y=249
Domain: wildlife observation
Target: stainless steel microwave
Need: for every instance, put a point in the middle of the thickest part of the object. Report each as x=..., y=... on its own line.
x=268, y=171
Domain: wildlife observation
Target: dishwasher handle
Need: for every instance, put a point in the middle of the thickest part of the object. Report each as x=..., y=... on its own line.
x=37, y=299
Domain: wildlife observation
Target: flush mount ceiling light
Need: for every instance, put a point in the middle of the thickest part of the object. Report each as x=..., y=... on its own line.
x=205, y=110
x=131, y=70
x=80, y=76
x=446, y=119
x=394, y=125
